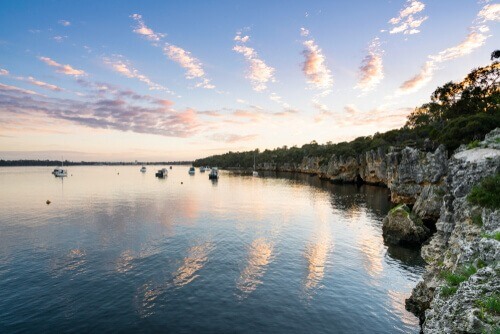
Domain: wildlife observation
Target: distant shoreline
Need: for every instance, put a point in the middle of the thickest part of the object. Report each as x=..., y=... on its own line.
x=48, y=163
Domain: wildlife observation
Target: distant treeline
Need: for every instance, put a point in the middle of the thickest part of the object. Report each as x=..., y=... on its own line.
x=458, y=113
x=4, y=163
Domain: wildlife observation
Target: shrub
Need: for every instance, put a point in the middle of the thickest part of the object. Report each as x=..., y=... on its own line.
x=486, y=193
x=477, y=220
x=473, y=144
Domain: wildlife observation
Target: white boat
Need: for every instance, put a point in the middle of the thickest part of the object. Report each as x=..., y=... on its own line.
x=214, y=174
x=202, y=169
x=143, y=169
x=254, y=173
x=192, y=170
x=60, y=172
x=162, y=173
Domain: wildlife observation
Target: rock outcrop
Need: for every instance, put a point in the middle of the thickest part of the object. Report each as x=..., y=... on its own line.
x=402, y=227
x=462, y=275
x=407, y=173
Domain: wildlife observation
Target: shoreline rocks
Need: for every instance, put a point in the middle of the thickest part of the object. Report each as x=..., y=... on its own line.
x=402, y=227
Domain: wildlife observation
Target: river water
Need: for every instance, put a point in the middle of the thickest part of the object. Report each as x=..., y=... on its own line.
x=122, y=251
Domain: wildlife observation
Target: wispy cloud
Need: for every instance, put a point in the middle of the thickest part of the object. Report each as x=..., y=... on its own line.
x=192, y=65
x=490, y=12
x=259, y=73
x=405, y=22
x=59, y=39
x=314, y=67
x=121, y=65
x=371, y=69
x=474, y=40
x=65, y=69
x=15, y=90
x=143, y=30
x=32, y=81
x=64, y=23
x=42, y=84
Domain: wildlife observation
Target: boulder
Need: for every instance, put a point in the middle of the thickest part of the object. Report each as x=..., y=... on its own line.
x=401, y=227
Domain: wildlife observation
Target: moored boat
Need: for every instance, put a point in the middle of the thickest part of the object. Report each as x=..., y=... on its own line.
x=192, y=170
x=143, y=169
x=214, y=174
x=162, y=173
x=60, y=172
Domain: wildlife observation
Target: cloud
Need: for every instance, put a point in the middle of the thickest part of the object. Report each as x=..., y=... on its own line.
x=59, y=39
x=143, y=30
x=314, y=67
x=121, y=65
x=65, y=69
x=419, y=80
x=405, y=22
x=259, y=73
x=64, y=23
x=490, y=12
x=118, y=111
x=230, y=137
x=16, y=90
x=351, y=109
x=474, y=40
x=276, y=98
x=371, y=69
x=32, y=81
x=42, y=84
x=237, y=100
x=193, y=67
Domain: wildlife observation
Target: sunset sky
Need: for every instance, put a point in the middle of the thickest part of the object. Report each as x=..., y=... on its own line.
x=179, y=80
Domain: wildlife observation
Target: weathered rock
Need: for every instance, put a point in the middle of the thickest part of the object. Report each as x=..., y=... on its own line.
x=410, y=170
x=428, y=204
x=464, y=237
x=342, y=169
x=401, y=227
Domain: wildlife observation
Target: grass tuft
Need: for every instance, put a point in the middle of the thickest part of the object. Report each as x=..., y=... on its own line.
x=486, y=193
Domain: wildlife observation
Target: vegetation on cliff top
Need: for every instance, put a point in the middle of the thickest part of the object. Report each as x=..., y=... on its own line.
x=458, y=113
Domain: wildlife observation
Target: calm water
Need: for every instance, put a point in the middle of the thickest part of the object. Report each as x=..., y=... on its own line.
x=130, y=252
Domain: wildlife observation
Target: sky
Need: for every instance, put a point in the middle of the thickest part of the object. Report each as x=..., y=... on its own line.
x=180, y=80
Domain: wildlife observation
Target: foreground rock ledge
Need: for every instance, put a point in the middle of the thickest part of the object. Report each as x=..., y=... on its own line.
x=402, y=227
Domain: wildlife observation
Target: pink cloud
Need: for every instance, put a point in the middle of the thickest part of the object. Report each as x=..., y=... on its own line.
x=143, y=30
x=314, y=67
x=259, y=73
x=121, y=65
x=372, y=69
x=65, y=69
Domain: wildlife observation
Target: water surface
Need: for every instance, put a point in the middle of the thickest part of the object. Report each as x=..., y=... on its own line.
x=121, y=251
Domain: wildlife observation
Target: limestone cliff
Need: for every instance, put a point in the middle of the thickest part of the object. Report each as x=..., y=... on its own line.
x=462, y=275
x=407, y=173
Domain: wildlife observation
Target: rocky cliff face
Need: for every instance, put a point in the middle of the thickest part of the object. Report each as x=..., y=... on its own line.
x=407, y=173
x=462, y=275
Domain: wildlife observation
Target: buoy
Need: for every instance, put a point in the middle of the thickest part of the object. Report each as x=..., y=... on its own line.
x=182, y=182
x=48, y=202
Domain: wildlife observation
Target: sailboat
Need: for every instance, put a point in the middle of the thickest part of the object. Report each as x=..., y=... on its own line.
x=254, y=173
x=60, y=172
